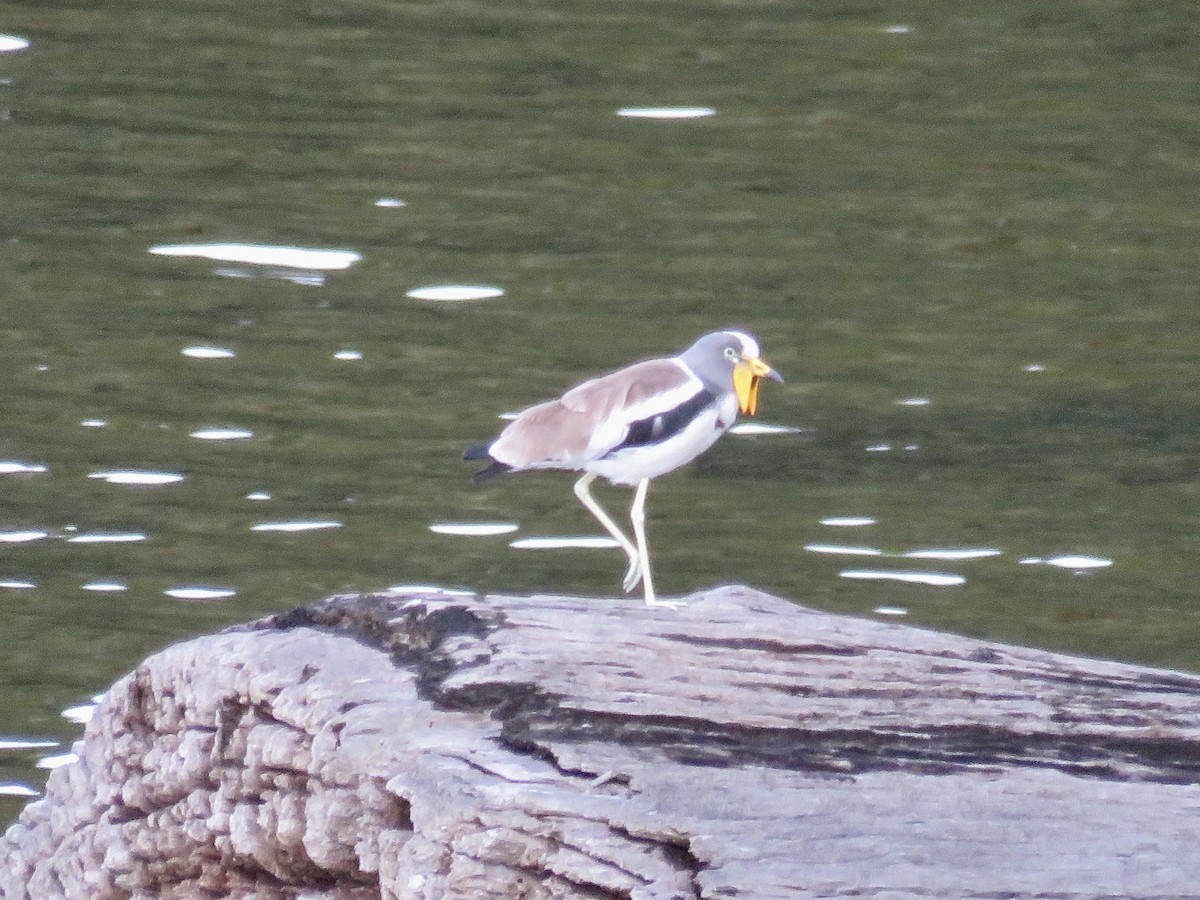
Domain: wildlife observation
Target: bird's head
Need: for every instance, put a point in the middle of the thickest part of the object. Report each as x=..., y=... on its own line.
x=736, y=354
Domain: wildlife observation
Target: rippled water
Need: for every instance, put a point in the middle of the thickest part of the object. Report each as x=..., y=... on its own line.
x=264, y=277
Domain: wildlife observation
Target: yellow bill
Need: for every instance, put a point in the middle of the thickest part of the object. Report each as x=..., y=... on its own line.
x=748, y=372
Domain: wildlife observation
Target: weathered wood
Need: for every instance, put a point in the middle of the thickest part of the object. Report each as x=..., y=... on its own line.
x=442, y=746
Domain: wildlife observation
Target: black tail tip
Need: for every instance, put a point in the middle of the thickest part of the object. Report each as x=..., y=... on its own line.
x=480, y=451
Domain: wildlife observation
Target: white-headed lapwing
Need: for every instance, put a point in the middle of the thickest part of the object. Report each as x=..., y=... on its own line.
x=633, y=425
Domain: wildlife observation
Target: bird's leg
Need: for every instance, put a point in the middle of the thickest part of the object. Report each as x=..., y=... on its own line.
x=634, y=575
x=637, y=514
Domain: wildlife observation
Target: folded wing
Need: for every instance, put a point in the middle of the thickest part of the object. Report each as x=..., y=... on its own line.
x=595, y=417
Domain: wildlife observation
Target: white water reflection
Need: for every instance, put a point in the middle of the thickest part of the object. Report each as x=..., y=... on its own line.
x=348, y=355
x=913, y=401
x=200, y=594
x=474, y=529
x=16, y=743
x=138, y=477
x=451, y=293
x=17, y=789
x=936, y=579
x=1079, y=562
x=390, y=203
x=81, y=714
x=1076, y=562
x=564, y=543
x=265, y=255
x=890, y=611
x=93, y=423
x=295, y=276
x=949, y=553
x=16, y=584
x=22, y=537
x=105, y=587
x=258, y=495
x=205, y=352
x=427, y=589
x=107, y=537
x=848, y=521
x=293, y=527
x=57, y=761
x=754, y=428
x=843, y=550
x=12, y=467
x=10, y=43
x=666, y=112
x=222, y=434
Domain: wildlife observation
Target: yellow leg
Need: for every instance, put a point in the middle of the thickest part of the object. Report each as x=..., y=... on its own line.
x=634, y=574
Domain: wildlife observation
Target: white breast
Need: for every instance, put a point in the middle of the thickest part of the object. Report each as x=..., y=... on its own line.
x=631, y=465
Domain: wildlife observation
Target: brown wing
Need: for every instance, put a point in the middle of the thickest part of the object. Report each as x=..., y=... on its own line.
x=593, y=417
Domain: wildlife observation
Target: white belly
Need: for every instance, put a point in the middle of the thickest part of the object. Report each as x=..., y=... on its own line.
x=631, y=465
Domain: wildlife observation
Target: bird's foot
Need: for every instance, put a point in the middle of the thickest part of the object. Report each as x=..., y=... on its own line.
x=669, y=604
x=634, y=574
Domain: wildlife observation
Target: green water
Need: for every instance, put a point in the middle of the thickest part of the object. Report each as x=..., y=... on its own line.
x=902, y=201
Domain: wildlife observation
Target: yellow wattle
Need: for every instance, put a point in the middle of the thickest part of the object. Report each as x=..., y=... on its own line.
x=752, y=404
x=745, y=385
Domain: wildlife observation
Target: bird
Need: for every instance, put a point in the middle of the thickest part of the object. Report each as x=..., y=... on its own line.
x=633, y=425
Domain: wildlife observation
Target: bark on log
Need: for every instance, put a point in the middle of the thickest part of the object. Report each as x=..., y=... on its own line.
x=436, y=746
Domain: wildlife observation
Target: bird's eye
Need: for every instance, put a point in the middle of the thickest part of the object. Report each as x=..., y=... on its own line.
x=731, y=353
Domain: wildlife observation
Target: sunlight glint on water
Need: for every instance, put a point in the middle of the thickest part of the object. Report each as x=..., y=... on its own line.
x=986, y=314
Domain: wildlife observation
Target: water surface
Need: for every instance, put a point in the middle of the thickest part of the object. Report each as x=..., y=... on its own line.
x=965, y=233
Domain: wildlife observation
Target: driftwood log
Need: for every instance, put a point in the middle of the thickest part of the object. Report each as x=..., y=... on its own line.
x=431, y=746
